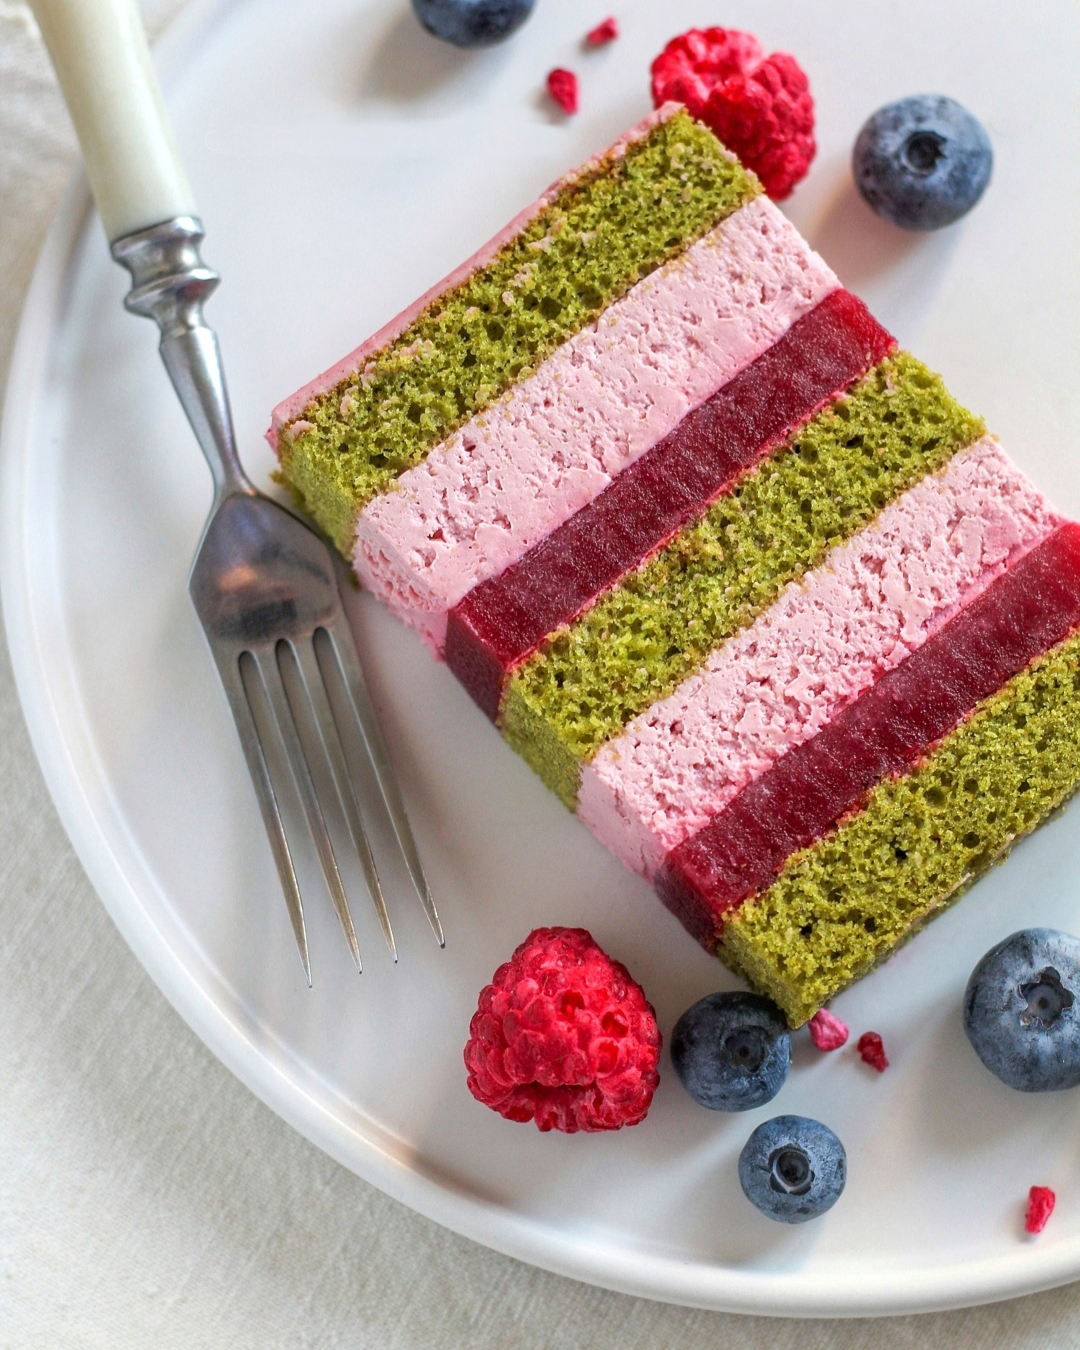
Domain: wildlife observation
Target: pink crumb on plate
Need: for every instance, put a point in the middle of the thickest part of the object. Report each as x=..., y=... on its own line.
x=827, y=1031
x=563, y=87
x=1040, y=1205
x=872, y=1050
x=604, y=32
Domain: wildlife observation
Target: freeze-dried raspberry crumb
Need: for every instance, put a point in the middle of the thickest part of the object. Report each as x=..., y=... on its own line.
x=607, y=31
x=564, y=1036
x=760, y=107
x=562, y=86
x=826, y=1031
x=872, y=1051
x=1040, y=1206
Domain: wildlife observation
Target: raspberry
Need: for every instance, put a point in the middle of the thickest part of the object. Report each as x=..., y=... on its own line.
x=562, y=86
x=1040, y=1206
x=565, y=1037
x=872, y=1050
x=760, y=108
x=827, y=1032
x=607, y=31
x=692, y=65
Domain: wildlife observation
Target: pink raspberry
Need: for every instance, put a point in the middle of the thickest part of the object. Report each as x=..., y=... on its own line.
x=564, y=1036
x=563, y=88
x=872, y=1049
x=760, y=107
x=1040, y=1205
x=828, y=1032
x=607, y=31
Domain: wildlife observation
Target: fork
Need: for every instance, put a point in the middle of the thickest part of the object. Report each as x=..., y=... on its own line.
x=265, y=586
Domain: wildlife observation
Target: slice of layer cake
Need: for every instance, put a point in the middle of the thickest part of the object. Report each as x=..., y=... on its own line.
x=743, y=583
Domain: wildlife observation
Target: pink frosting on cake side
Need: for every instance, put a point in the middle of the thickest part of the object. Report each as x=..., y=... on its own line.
x=292, y=406
x=504, y=481
x=872, y=602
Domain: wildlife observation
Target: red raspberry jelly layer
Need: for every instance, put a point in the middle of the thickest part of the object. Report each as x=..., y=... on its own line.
x=1031, y=608
x=501, y=621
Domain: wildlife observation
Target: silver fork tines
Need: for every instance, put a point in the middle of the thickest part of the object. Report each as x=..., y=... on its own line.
x=277, y=718
x=266, y=590
x=305, y=687
x=358, y=713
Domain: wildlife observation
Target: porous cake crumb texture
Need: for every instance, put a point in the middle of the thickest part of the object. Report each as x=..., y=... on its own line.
x=606, y=230
x=659, y=623
x=502, y=482
x=776, y=684
x=838, y=909
x=743, y=584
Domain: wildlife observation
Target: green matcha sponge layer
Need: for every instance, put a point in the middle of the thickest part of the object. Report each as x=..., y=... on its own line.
x=660, y=622
x=606, y=229
x=841, y=907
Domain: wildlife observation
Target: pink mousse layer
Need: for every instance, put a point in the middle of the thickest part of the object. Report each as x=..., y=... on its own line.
x=505, y=480
x=872, y=602
x=294, y=405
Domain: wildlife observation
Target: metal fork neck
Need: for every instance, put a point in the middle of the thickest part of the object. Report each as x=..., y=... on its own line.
x=170, y=283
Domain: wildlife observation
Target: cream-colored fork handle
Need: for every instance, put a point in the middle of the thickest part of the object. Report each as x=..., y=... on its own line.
x=102, y=60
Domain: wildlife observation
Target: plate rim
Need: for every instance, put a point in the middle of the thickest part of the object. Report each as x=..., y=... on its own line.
x=636, y=1273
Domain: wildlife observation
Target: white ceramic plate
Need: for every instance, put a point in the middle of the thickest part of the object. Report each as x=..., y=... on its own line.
x=344, y=161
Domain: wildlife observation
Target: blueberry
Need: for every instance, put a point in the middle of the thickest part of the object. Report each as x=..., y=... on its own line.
x=793, y=1169
x=732, y=1051
x=1022, y=1010
x=472, y=23
x=923, y=162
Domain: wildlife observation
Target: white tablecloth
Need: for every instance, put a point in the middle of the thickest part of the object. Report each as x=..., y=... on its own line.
x=146, y=1198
